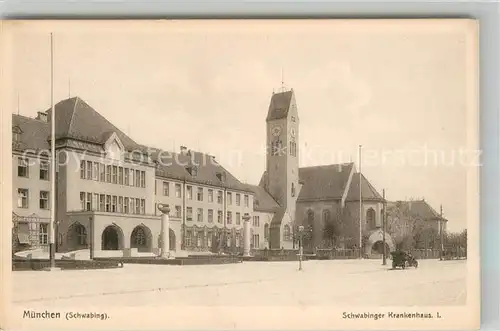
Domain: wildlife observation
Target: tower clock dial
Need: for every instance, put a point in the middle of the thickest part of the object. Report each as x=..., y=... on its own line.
x=276, y=130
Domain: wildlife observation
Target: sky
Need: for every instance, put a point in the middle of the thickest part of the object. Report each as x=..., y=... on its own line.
x=402, y=90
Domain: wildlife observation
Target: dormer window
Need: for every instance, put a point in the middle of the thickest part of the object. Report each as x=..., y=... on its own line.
x=193, y=171
x=16, y=134
x=221, y=176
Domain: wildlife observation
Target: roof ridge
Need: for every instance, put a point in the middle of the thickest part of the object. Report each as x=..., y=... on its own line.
x=327, y=165
x=30, y=118
x=73, y=114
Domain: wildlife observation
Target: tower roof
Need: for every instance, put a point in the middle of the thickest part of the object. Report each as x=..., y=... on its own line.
x=280, y=105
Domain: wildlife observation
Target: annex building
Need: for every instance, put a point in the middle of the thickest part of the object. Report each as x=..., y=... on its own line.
x=108, y=187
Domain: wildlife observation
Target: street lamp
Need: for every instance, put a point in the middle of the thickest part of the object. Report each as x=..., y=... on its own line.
x=301, y=249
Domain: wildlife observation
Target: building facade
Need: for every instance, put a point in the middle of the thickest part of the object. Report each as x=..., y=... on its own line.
x=108, y=188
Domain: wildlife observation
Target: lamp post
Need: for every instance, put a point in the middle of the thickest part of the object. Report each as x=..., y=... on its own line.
x=301, y=246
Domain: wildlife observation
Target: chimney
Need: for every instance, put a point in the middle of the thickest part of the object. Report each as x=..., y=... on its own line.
x=41, y=116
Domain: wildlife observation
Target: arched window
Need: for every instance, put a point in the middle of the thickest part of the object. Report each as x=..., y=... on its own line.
x=310, y=218
x=81, y=234
x=293, y=189
x=140, y=237
x=266, y=231
x=326, y=216
x=286, y=233
x=370, y=218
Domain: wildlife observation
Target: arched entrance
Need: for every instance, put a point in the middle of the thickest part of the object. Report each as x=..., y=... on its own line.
x=378, y=248
x=77, y=237
x=141, y=239
x=112, y=238
x=374, y=244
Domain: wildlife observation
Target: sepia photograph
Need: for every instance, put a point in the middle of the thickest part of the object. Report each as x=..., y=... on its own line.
x=240, y=174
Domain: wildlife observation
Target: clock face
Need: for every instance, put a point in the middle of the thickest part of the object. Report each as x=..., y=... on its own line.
x=292, y=132
x=276, y=130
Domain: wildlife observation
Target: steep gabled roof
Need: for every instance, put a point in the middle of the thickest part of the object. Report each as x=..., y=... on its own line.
x=416, y=208
x=206, y=170
x=324, y=182
x=279, y=105
x=368, y=192
x=263, y=200
x=34, y=133
x=76, y=119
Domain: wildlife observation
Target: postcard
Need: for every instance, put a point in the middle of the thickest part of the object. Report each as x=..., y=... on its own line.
x=240, y=174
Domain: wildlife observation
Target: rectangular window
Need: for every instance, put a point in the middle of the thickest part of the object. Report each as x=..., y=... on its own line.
x=189, y=213
x=200, y=215
x=219, y=216
x=210, y=216
x=95, y=201
x=200, y=194
x=219, y=197
x=82, y=200
x=137, y=205
x=115, y=175
x=82, y=169
x=108, y=174
x=189, y=192
x=178, y=211
x=238, y=218
x=246, y=200
x=255, y=241
x=44, y=170
x=44, y=200
x=120, y=204
x=114, y=202
x=137, y=178
x=120, y=175
x=143, y=206
x=43, y=233
x=132, y=177
x=126, y=177
x=143, y=179
x=132, y=205
x=102, y=202
x=238, y=199
x=89, y=169
x=102, y=172
x=210, y=195
x=108, y=203
x=88, y=203
x=229, y=217
x=22, y=167
x=125, y=205
x=166, y=189
x=95, y=171
x=188, y=238
x=178, y=190
x=229, y=198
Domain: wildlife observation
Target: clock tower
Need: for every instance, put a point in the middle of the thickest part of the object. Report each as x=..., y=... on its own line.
x=282, y=175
